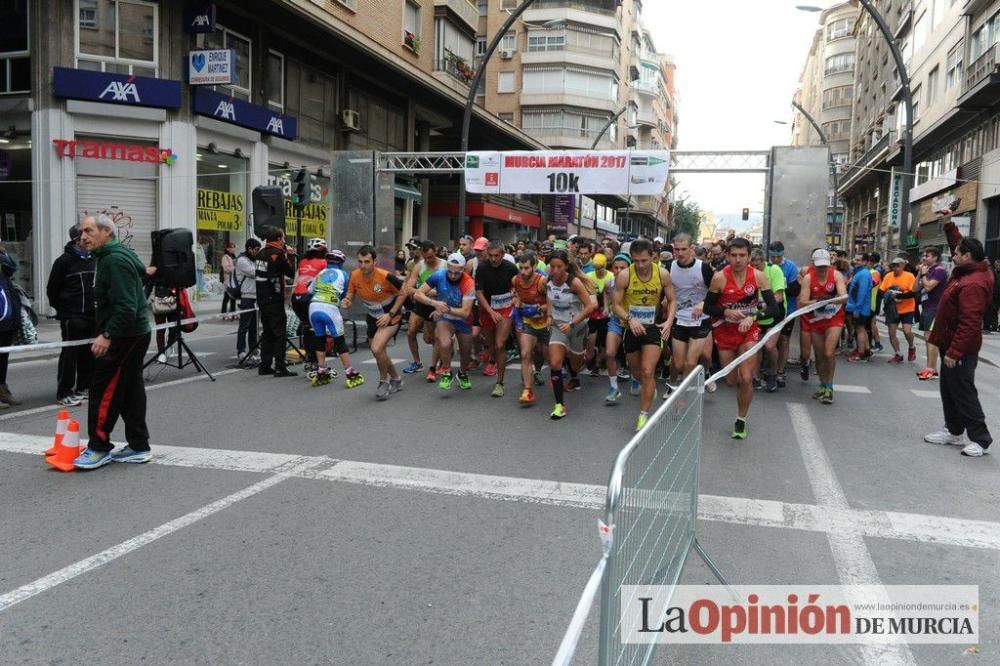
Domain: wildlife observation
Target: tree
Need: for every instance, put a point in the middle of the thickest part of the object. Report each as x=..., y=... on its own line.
x=687, y=219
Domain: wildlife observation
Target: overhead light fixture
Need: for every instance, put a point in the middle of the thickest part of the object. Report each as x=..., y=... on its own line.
x=198, y=155
x=222, y=166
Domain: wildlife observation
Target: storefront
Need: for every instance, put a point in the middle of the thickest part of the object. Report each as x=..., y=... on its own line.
x=223, y=193
x=15, y=203
x=938, y=193
x=492, y=220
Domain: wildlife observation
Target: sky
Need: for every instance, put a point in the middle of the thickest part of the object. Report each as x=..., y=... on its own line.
x=738, y=66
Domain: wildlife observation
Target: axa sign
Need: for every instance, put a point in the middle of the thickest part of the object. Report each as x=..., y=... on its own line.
x=207, y=102
x=112, y=88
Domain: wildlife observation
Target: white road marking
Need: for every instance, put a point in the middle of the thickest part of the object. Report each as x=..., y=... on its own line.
x=173, y=355
x=926, y=394
x=86, y=565
x=850, y=554
x=849, y=388
x=736, y=510
x=149, y=387
x=395, y=361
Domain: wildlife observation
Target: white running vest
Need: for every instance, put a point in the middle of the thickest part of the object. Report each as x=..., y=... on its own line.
x=689, y=290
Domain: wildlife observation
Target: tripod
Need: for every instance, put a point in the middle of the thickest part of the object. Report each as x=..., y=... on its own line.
x=176, y=338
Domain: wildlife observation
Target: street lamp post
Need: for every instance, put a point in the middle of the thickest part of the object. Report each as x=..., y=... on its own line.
x=471, y=101
x=906, y=179
x=833, y=165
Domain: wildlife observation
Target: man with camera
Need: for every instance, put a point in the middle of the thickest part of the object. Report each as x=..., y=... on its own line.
x=275, y=263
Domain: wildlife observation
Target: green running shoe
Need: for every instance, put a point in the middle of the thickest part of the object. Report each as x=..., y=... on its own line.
x=463, y=381
x=558, y=413
x=444, y=381
x=740, y=429
x=640, y=423
x=497, y=391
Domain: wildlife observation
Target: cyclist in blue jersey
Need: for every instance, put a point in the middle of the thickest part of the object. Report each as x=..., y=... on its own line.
x=328, y=290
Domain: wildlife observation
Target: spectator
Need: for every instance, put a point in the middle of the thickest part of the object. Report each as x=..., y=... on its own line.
x=228, y=264
x=931, y=278
x=400, y=267
x=275, y=264
x=117, y=386
x=10, y=322
x=958, y=334
x=201, y=265
x=245, y=282
x=71, y=293
x=990, y=323
x=898, y=286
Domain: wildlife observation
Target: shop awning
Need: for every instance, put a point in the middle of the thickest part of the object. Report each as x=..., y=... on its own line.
x=407, y=191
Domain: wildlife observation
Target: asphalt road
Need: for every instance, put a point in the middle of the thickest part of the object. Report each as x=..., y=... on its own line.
x=282, y=523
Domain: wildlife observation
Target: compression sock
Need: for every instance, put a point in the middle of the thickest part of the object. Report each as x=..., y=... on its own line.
x=613, y=380
x=557, y=385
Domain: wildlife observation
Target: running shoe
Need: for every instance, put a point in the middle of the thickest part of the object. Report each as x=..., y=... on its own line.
x=972, y=450
x=859, y=358
x=539, y=379
x=635, y=387
x=758, y=384
x=382, y=392
x=781, y=380
x=82, y=396
x=395, y=385
x=69, y=401
x=641, y=422
x=463, y=381
x=413, y=368
x=595, y=372
x=497, y=391
x=770, y=384
x=896, y=359
x=444, y=381
x=558, y=412
x=613, y=396
x=130, y=455
x=927, y=373
x=819, y=393
x=473, y=364
x=877, y=347
x=285, y=372
x=512, y=355
x=623, y=374
x=527, y=397
x=484, y=357
x=740, y=429
x=804, y=371
x=490, y=371
x=827, y=397
x=911, y=355
x=91, y=459
x=573, y=385
x=431, y=375
x=946, y=438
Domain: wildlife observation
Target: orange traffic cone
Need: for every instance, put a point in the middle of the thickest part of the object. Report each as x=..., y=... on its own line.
x=62, y=420
x=68, y=449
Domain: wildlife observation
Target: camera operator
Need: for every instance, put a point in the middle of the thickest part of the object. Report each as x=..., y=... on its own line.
x=274, y=264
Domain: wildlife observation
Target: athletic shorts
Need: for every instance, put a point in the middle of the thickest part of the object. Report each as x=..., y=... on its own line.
x=326, y=320
x=632, y=343
x=423, y=311
x=300, y=306
x=728, y=336
x=542, y=334
x=372, y=324
x=486, y=321
x=461, y=326
x=927, y=319
x=688, y=333
x=900, y=319
x=615, y=326
x=598, y=327
x=862, y=320
x=787, y=329
x=824, y=325
x=575, y=341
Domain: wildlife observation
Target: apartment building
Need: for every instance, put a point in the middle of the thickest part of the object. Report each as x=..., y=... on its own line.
x=98, y=112
x=949, y=47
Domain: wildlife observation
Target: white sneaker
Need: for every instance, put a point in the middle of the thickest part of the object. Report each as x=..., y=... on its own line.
x=973, y=450
x=945, y=437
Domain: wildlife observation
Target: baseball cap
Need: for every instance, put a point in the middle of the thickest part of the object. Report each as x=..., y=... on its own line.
x=456, y=259
x=821, y=258
x=898, y=260
x=481, y=244
x=776, y=248
x=75, y=233
x=658, y=239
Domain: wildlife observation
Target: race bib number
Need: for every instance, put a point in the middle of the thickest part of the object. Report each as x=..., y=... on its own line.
x=826, y=312
x=375, y=310
x=501, y=301
x=645, y=315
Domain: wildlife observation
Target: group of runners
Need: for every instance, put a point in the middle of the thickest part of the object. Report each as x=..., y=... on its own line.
x=576, y=308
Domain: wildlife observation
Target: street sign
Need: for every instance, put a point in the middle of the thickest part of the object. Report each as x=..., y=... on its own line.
x=895, y=199
x=211, y=67
x=637, y=172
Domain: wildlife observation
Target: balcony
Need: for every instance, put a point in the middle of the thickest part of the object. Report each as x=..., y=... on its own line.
x=573, y=138
x=598, y=15
x=651, y=88
x=569, y=98
x=604, y=7
x=464, y=10
x=572, y=55
x=859, y=168
x=982, y=81
x=455, y=66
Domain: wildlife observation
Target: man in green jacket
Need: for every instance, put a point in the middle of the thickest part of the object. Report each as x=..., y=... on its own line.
x=119, y=349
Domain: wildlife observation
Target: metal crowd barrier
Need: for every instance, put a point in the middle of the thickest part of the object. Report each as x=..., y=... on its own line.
x=651, y=511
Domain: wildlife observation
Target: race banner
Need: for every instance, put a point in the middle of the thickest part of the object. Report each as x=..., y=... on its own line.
x=623, y=172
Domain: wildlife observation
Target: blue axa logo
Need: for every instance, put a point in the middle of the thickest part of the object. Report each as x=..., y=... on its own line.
x=121, y=91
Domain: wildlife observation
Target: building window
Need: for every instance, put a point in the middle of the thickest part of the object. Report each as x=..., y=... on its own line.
x=411, y=18
x=454, y=51
x=985, y=36
x=506, y=117
x=274, y=84
x=117, y=36
x=15, y=65
x=481, y=47
x=548, y=40
x=843, y=62
x=223, y=38
x=509, y=41
x=566, y=123
x=839, y=96
x=932, y=84
x=484, y=7
x=312, y=97
x=839, y=28
x=506, y=82
x=953, y=75
x=920, y=32
x=573, y=81
x=509, y=4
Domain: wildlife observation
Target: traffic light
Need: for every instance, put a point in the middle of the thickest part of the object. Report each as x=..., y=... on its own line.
x=746, y=214
x=300, y=188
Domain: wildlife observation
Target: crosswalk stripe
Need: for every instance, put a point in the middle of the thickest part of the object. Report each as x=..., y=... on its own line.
x=925, y=394
x=849, y=388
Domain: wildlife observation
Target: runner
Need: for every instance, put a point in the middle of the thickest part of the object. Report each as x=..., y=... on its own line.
x=381, y=293
x=822, y=282
x=644, y=301
x=420, y=315
x=494, y=280
x=733, y=300
x=900, y=303
x=776, y=278
x=327, y=291
x=309, y=267
x=455, y=293
x=612, y=350
x=532, y=323
x=691, y=278
x=859, y=308
x=776, y=250
x=571, y=304
x=877, y=271
x=931, y=281
x=603, y=281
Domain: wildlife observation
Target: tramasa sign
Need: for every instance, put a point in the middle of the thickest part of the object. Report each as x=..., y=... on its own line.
x=126, y=152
